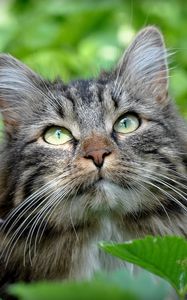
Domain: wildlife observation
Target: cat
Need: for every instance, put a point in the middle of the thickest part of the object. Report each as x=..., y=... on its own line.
x=92, y=160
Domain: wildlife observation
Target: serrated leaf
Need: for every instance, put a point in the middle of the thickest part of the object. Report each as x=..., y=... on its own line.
x=163, y=256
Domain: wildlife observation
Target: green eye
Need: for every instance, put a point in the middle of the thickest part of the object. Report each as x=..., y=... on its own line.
x=57, y=135
x=126, y=124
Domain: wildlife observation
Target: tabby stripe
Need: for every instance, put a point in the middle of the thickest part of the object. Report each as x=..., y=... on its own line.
x=31, y=181
x=41, y=227
x=28, y=143
x=71, y=99
x=170, y=207
x=100, y=94
x=116, y=101
x=59, y=110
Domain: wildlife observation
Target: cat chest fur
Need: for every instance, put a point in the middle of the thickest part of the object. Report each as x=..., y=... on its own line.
x=74, y=255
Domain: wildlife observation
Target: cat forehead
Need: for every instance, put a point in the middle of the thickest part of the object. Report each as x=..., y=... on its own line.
x=83, y=103
x=97, y=101
x=85, y=91
x=93, y=94
x=102, y=98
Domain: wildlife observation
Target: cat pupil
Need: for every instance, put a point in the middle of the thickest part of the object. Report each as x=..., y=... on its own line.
x=58, y=134
x=125, y=123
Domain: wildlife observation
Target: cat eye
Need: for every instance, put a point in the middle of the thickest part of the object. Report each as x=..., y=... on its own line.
x=127, y=124
x=57, y=135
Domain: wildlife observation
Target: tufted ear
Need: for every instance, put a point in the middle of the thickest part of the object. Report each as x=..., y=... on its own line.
x=18, y=86
x=143, y=66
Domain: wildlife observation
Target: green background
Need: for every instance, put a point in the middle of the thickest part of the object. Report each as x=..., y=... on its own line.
x=77, y=38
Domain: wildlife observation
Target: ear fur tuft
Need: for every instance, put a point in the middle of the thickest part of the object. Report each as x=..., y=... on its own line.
x=143, y=66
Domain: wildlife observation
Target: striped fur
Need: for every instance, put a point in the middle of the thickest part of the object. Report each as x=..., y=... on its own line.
x=54, y=203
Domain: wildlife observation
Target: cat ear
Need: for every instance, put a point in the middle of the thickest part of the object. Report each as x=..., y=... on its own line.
x=17, y=87
x=143, y=68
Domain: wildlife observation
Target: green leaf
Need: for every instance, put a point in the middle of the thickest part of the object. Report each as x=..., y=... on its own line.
x=69, y=290
x=120, y=284
x=137, y=283
x=163, y=256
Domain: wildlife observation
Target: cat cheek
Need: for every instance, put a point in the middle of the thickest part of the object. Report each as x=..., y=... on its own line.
x=110, y=161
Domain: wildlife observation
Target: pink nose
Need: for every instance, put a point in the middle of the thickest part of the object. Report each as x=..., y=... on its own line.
x=97, y=156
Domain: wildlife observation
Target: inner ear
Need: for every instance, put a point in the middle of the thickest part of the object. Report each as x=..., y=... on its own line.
x=143, y=67
x=10, y=117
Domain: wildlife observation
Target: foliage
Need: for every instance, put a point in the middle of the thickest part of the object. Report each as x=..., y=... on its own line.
x=163, y=256
x=119, y=285
x=68, y=291
x=77, y=38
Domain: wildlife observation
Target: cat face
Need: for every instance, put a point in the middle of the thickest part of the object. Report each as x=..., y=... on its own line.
x=111, y=145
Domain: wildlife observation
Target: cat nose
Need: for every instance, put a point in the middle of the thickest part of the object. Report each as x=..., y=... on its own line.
x=97, y=156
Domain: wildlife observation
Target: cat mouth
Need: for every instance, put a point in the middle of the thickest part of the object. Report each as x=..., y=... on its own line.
x=100, y=179
x=102, y=182
x=97, y=184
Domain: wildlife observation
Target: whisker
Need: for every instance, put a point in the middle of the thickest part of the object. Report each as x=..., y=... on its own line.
x=16, y=235
x=166, y=183
x=24, y=223
x=166, y=193
x=156, y=198
x=55, y=202
x=27, y=201
x=171, y=172
x=71, y=219
x=39, y=216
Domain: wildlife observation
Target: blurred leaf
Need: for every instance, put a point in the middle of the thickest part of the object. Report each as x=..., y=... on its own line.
x=62, y=63
x=68, y=291
x=117, y=285
x=137, y=282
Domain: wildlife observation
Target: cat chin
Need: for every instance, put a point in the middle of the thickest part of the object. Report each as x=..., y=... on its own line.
x=110, y=196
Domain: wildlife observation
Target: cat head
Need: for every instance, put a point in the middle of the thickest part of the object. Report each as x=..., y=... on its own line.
x=108, y=145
